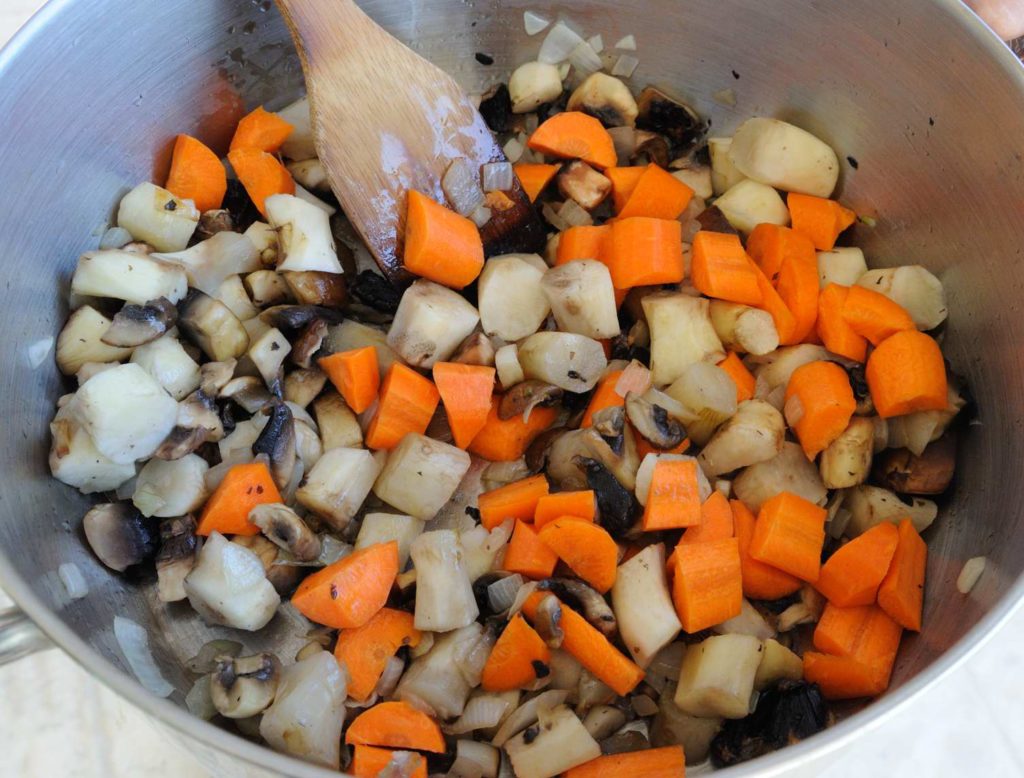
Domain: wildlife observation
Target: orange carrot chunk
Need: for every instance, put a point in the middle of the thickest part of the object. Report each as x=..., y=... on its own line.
x=760, y=581
x=243, y=488
x=715, y=521
x=864, y=634
x=852, y=575
x=624, y=181
x=407, y=404
x=819, y=404
x=604, y=396
x=785, y=321
x=720, y=268
x=874, y=316
x=789, y=535
x=836, y=335
x=645, y=251
x=581, y=504
x=396, y=725
x=575, y=135
x=586, y=548
x=743, y=378
x=440, y=244
x=798, y=286
x=584, y=242
x=591, y=648
x=364, y=651
x=369, y=762
x=527, y=554
x=818, y=219
x=261, y=130
x=261, y=174
x=503, y=440
x=770, y=245
x=665, y=762
x=657, y=194
x=707, y=583
x=674, y=499
x=355, y=375
x=517, y=500
x=197, y=174
x=842, y=678
x=466, y=393
x=902, y=591
x=534, y=178
x=906, y=374
x=516, y=658
x=349, y=593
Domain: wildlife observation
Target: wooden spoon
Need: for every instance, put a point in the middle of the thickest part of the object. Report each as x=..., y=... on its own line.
x=386, y=121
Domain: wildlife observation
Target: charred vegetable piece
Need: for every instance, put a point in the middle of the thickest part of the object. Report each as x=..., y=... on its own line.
x=930, y=473
x=120, y=535
x=660, y=113
x=135, y=325
x=616, y=505
x=375, y=291
x=497, y=109
x=277, y=441
x=594, y=607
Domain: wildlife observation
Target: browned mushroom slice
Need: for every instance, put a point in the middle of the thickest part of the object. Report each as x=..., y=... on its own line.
x=277, y=441
x=595, y=608
x=212, y=222
x=136, y=325
x=476, y=349
x=176, y=557
x=283, y=577
x=714, y=220
x=311, y=287
x=548, y=622
x=245, y=686
x=249, y=392
x=120, y=535
x=214, y=376
x=930, y=473
x=522, y=398
x=308, y=343
x=283, y=527
x=198, y=422
x=651, y=147
x=653, y=422
x=213, y=327
x=302, y=386
x=662, y=114
x=294, y=317
x=580, y=182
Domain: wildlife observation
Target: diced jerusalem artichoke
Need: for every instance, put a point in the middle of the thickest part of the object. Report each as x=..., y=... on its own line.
x=125, y=275
x=582, y=298
x=421, y=475
x=643, y=605
x=430, y=323
x=681, y=334
x=556, y=743
x=843, y=265
x=152, y=214
x=338, y=484
x=750, y=203
x=755, y=433
x=79, y=342
x=717, y=676
x=385, y=527
x=444, y=593
x=784, y=156
x=511, y=297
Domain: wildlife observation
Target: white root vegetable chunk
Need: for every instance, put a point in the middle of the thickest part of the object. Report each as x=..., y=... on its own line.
x=912, y=287
x=843, y=265
x=717, y=676
x=681, y=334
x=706, y=395
x=299, y=143
x=847, y=460
x=569, y=361
x=171, y=488
x=871, y=505
x=532, y=84
x=643, y=605
x=582, y=298
x=79, y=342
x=338, y=484
x=444, y=593
x=268, y=352
x=228, y=586
x=779, y=366
x=698, y=179
x=511, y=297
x=311, y=174
x=607, y=98
x=125, y=275
x=430, y=323
x=126, y=413
x=788, y=471
x=267, y=288
x=748, y=622
x=750, y=203
x=308, y=711
x=351, y=334
x=304, y=235
x=75, y=461
x=743, y=328
x=232, y=293
x=209, y=263
x=778, y=663
x=724, y=174
x=480, y=548
x=152, y=214
x=434, y=680
x=385, y=527
x=754, y=434
x=167, y=361
x=558, y=743
x=339, y=426
x=506, y=361
x=784, y=156
x=421, y=475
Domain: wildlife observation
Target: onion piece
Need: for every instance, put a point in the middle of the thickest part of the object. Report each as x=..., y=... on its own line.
x=969, y=575
x=626, y=43
x=471, y=656
x=635, y=378
x=73, y=580
x=389, y=678
x=481, y=712
x=513, y=149
x=625, y=66
x=527, y=714
x=496, y=176
x=559, y=44
x=461, y=188
x=134, y=643
x=534, y=22
x=524, y=591
x=575, y=215
x=502, y=593
x=199, y=700
x=585, y=59
x=38, y=351
x=553, y=218
x=596, y=43
x=481, y=216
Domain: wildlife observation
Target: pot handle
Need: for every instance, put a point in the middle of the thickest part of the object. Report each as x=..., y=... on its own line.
x=19, y=636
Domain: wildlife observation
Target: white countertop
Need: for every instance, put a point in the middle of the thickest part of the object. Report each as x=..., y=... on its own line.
x=58, y=721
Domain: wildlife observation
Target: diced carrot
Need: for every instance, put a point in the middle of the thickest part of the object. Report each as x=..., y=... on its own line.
x=517, y=500
x=514, y=660
x=789, y=535
x=364, y=651
x=819, y=219
x=369, y=762
x=396, y=725
x=715, y=521
x=440, y=244
x=590, y=648
x=604, y=396
x=674, y=498
x=644, y=447
x=842, y=678
x=349, y=592
x=743, y=378
x=906, y=373
x=466, y=393
x=584, y=242
x=657, y=194
x=720, y=268
x=575, y=135
x=586, y=548
x=624, y=181
x=527, y=555
x=798, y=286
x=785, y=321
x=819, y=404
x=355, y=375
x=836, y=335
x=503, y=440
x=261, y=174
x=760, y=581
x=644, y=251
x=902, y=591
x=874, y=316
x=197, y=174
x=707, y=583
x=852, y=575
x=261, y=130
x=407, y=404
x=770, y=245
x=664, y=762
x=243, y=488
x=534, y=178
x=581, y=504
x=864, y=634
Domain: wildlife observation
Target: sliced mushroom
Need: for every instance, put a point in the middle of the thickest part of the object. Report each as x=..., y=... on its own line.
x=537, y=454
x=283, y=577
x=595, y=608
x=197, y=423
x=291, y=318
x=610, y=423
x=212, y=222
x=283, y=527
x=376, y=292
x=580, y=182
x=653, y=422
x=302, y=386
x=548, y=621
x=713, y=220
x=213, y=327
x=930, y=473
x=477, y=349
x=607, y=99
x=277, y=441
x=651, y=147
x=176, y=557
x=617, y=506
x=314, y=287
x=135, y=325
x=522, y=398
x=660, y=113
x=245, y=686
x=119, y=535
x=248, y=392
x=308, y=343
x=616, y=454
x=214, y=376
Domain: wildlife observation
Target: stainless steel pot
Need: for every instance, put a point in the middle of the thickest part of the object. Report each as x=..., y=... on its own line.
x=922, y=101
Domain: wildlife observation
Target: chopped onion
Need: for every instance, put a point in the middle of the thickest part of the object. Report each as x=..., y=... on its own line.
x=559, y=44
x=585, y=59
x=199, y=700
x=748, y=622
x=624, y=139
x=524, y=591
x=635, y=378
x=528, y=713
x=73, y=580
x=575, y=215
x=481, y=216
x=502, y=593
x=596, y=43
x=563, y=70
x=461, y=188
x=496, y=176
x=481, y=712
x=553, y=218
x=513, y=149
x=972, y=570
x=134, y=643
x=628, y=43
x=472, y=655
x=38, y=351
x=115, y=238
x=625, y=66
x=206, y=660
x=390, y=677
x=643, y=705
x=534, y=22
